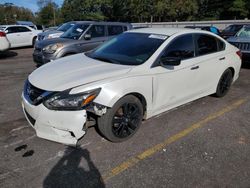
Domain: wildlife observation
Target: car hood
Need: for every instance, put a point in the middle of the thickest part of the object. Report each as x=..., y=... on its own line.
x=75, y=70
x=239, y=39
x=46, y=33
x=44, y=43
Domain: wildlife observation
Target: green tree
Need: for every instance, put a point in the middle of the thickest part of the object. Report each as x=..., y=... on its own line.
x=10, y=13
x=83, y=10
x=48, y=14
x=239, y=9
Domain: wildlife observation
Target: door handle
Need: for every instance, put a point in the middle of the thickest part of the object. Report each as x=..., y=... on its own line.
x=194, y=68
x=223, y=58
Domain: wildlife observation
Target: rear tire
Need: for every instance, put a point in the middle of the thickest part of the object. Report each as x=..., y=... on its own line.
x=224, y=83
x=123, y=120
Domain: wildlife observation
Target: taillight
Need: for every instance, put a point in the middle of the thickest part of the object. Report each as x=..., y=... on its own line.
x=2, y=34
x=239, y=54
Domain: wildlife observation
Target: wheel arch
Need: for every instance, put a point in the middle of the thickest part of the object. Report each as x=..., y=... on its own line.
x=233, y=71
x=142, y=100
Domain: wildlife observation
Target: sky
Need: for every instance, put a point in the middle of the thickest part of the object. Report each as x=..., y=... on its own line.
x=31, y=4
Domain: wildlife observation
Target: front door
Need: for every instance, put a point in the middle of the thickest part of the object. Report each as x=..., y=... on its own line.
x=175, y=85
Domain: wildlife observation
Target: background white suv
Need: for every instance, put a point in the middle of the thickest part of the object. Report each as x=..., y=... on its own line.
x=20, y=35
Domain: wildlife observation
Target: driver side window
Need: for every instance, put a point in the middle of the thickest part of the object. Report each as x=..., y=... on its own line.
x=182, y=47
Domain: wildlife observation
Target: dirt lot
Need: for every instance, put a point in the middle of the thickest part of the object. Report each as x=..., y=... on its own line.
x=203, y=144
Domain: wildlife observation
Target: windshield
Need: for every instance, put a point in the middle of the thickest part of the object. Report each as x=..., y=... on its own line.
x=233, y=28
x=244, y=32
x=75, y=32
x=128, y=48
x=65, y=27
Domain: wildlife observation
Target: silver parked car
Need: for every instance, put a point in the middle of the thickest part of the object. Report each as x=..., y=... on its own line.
x=82, y=37
x=242, y=41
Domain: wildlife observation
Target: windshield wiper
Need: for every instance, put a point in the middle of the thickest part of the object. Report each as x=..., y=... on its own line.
x=106, y=60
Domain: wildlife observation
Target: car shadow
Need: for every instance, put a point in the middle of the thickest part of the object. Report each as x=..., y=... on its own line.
x=68, y=172
x=7, y=54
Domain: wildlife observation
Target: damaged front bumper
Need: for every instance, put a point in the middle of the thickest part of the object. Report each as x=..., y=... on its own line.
x=65, y=127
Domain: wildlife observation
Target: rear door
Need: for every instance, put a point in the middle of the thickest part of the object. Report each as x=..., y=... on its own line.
x=210, y=52
x=13, y=36
x=25, y=35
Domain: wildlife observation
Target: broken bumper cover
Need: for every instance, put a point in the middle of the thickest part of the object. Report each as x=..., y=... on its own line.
x=65, y=127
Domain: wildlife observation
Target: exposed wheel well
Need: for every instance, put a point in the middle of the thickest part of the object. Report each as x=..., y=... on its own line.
x=143, y=101
x=232, y=70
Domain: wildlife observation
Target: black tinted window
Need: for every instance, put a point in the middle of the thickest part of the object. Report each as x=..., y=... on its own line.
x=206, y=44
x=221, y=45
x=39, y=27
x=12, y=30
x=97, y=31
x=23, y=29
x=125, y=28
x=114, y=29
x=182, y=47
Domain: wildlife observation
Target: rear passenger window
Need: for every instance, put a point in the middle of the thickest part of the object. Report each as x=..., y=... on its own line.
x=23, y=29
x=206, y=44
x=182, y=47
x=97, y=31
x=12, y=30
x=221, y=45
x=114, y=30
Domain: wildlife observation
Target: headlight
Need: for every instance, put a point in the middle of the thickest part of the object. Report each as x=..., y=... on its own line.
x=52, y=48
x=65, y=101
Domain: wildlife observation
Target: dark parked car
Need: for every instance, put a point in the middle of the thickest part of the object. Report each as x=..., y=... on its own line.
x=82, y=37
x=231, y=30
x=242, y=41
x=212, y=29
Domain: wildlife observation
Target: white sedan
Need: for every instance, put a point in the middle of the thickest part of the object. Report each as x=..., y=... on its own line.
x=20, y=35
x=4, y=43
x=134, y=76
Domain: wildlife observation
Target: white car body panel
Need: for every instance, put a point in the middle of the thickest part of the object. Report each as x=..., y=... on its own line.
x=57, y=125
x=4, y=44
x=162, y=88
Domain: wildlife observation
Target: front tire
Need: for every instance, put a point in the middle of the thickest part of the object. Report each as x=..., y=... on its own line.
x=224, y=83
x=123, y=120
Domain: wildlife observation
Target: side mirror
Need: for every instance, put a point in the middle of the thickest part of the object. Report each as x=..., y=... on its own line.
x=87, y=36
x=170, y=61
x=6, y=31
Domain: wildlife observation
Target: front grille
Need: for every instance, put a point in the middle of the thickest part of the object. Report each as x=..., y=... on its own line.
x=241, y=45
x=32, y=93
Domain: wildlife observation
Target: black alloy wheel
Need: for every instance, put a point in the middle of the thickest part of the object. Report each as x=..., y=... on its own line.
x=122, y=120
x=224, y=83
x=126, y=120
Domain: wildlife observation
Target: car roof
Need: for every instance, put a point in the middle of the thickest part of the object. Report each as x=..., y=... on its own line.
x=13, y=25
x=167, y=31
x=99, y=22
